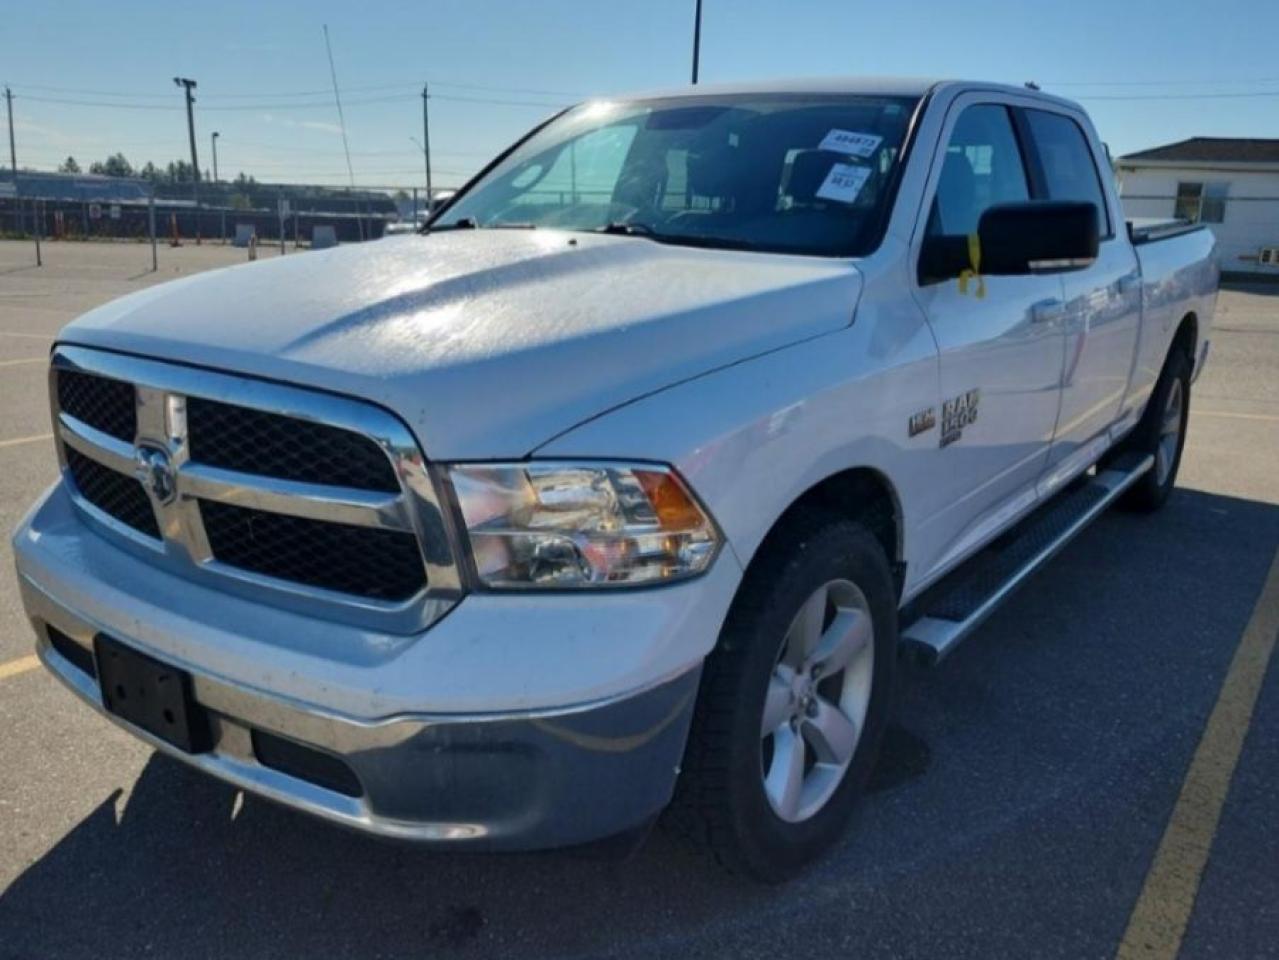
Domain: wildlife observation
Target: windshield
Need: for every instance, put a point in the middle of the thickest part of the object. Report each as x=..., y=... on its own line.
x=794, y=173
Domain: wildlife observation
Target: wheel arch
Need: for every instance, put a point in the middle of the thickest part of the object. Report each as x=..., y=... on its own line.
x=1187, y=337
x=862, y=494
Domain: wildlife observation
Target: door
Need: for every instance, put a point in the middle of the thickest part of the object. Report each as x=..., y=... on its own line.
x=999, y=340
x=1103, y=302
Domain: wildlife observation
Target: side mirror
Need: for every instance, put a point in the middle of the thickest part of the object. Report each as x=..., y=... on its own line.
x=1018, y=239
x=1021, y=238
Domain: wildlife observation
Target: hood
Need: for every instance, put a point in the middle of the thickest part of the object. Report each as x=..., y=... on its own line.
x=486, y=342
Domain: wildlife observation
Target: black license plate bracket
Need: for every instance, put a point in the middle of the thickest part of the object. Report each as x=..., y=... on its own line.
x=150, y=694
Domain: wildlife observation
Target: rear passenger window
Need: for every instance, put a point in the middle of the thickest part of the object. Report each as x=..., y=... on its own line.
x=1069, y=170
x=982, y=168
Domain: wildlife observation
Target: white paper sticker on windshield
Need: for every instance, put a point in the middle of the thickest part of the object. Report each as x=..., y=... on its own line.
x=843, y=183
x=850, y=143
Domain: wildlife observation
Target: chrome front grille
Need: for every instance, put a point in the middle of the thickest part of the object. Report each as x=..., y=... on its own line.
x=295, y=497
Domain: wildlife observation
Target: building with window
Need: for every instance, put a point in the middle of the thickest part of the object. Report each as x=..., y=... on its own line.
x=1230, y=184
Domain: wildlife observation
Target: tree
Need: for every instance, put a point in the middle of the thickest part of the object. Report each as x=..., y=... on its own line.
x=240, y=201
x=113, y=166
x=178, y=171
x=151, y=172
x=69, y=165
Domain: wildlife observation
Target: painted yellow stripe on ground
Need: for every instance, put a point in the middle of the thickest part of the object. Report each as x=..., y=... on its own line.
x=1163, y=909
x=21, y=665
x=32, y=439
x=14, y=363
x=1237, y=416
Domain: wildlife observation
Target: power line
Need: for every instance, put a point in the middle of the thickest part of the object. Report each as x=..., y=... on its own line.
x=1185, y=96
x=1156, y=83
x=395, y=98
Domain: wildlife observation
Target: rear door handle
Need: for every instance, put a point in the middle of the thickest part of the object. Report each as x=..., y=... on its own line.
x=1046, y=311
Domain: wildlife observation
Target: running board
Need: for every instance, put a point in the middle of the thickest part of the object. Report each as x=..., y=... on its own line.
x=955, y=614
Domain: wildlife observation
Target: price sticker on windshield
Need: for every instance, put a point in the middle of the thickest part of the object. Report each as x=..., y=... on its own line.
x=850, y=143
x=843, y=183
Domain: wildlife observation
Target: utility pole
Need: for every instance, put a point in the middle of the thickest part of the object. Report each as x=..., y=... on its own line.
x=214, y=139
x=189, y=85
x=697, y=39
x=426, y=146
x=13, y=161
x=13, y=153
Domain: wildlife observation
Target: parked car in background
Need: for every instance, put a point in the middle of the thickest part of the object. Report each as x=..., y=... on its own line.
x=625, y=482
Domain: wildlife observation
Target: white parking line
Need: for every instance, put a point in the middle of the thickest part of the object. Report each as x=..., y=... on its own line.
x=29, y=336
x=14, y=363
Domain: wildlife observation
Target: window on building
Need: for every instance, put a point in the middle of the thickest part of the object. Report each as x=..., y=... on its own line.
x=1201, y=202
x=1212, y=208
x=1186, y=206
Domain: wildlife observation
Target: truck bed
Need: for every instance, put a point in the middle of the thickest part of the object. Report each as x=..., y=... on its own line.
x=1151, y=229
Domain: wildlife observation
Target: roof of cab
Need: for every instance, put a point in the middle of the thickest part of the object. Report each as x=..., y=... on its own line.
x=863, y=85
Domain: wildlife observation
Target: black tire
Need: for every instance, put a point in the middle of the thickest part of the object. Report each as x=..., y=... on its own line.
x=1153, y=489
x=720, y=796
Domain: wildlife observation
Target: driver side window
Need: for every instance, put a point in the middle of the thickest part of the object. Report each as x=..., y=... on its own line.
x=982, y=168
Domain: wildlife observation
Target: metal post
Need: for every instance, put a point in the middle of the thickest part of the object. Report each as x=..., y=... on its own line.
x=151, y=228
x=697, y=39
x=426, y=146
x=214, y=138
x=415, y=206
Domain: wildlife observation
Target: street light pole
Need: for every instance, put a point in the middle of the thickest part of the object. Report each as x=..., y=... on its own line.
x=697, y=39
x=426, y=146
x=215, y=155
x=188, y=86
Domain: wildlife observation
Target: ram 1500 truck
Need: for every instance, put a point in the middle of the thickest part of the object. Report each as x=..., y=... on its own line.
x=623, y=483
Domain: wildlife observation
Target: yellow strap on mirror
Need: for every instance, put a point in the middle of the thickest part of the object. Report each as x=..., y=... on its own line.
x=974, y=271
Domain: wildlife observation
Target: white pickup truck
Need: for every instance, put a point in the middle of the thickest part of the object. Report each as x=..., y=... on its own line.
x=627, y=479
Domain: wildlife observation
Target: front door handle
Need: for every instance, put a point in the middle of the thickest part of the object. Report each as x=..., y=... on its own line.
x=1130, y=283
x=1047, y=311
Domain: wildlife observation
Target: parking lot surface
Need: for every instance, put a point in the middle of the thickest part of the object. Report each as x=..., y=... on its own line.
x=1052, y=790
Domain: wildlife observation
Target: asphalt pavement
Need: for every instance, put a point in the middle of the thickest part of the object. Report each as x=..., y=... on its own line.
x=1022, y=809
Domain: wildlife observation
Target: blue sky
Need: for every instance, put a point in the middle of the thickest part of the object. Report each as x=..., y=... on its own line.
x=1131, y=62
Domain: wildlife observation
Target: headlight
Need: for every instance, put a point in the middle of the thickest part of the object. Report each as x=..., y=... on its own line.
x=558, y=525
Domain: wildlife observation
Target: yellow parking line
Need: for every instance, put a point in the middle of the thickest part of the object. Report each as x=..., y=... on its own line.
x=1237, y=416
x=14, y=363
x=21, y=665
x=17, y=440
x=1158, y=921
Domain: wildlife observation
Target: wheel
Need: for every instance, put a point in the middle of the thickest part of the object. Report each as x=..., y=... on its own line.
x=1161, y=433
x=793, y=700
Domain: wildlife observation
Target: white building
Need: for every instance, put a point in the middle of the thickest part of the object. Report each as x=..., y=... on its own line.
x=1230, y=184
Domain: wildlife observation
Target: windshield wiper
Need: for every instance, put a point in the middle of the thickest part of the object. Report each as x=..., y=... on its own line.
x=625, y=229
x=470, y=223
x=466, y=223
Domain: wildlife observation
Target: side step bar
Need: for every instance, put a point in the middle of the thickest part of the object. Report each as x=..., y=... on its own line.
x=953, y=616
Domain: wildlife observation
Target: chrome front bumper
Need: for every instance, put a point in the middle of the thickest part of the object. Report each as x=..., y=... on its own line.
x=502, y=782
x=575, y=746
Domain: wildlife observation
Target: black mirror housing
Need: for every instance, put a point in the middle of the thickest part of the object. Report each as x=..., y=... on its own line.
x=1015, y=239
x=1038, y=237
